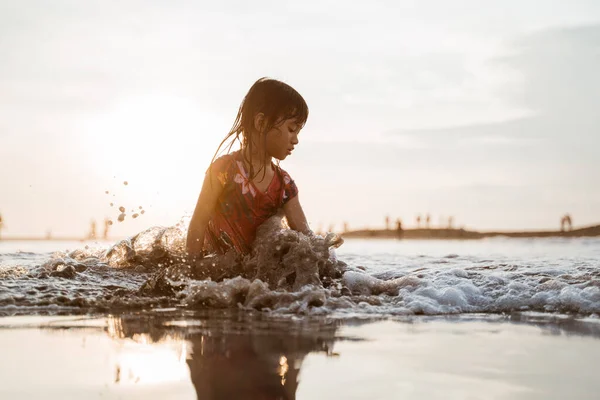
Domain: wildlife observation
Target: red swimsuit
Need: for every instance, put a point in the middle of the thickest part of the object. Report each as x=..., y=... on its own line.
x=241, y=208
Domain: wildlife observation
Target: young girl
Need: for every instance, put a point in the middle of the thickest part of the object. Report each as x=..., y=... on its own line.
x=242, y=189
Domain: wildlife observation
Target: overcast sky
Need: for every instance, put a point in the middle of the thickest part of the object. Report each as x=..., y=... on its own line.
x=483, y=110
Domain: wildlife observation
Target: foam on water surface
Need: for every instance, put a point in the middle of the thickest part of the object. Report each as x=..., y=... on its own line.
x=290, y=273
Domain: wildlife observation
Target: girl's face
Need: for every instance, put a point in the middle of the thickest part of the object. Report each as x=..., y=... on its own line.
x=281, y=140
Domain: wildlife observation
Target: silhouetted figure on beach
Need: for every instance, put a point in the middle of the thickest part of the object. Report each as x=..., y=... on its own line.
x=106, y=228
x=566, y=224
x=418, y=221
x=450, y=222
x=387, y=222
x=399, y=229
x=92, y=234
x=427, y=221
x=1, y=226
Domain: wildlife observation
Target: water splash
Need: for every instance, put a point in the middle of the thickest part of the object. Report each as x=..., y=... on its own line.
x=287, y=273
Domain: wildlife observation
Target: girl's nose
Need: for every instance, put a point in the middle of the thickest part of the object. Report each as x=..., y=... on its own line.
x=294, y=139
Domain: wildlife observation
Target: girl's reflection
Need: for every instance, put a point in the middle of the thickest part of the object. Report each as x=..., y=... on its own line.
x=248, y=366
x=235, y=359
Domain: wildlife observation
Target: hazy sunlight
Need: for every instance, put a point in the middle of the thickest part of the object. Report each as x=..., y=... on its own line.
x=147, y=149
x=140, y=362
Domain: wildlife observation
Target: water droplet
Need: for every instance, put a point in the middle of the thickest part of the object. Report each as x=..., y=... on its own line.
x=122, y=209
x=106, y=192
x=142, y=212
x=111, y=204
x=134, y=216
x=121, y=217
x=125, y=183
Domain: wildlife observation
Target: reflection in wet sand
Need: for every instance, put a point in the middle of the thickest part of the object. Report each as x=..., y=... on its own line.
x=229, y=356
x=253, y=367
x=178, y=354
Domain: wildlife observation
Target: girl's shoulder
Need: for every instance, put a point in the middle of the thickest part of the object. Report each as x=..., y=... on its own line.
x=221, y=167
x=290, y=190
x=284, y=174
x=225, y=161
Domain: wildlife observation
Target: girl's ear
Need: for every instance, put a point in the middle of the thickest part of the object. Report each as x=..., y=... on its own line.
x=259, y=122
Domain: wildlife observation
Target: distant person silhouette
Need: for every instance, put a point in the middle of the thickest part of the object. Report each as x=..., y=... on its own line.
x=92, y=234
x=1, y=226
x=418, y=221
x=399, y=229
x=106, y=228
x=450, y=222
x=387, y=222
x=427, y=221
x=566, y=224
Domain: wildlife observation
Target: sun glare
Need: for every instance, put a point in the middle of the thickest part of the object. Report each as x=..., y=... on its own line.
x=145, y=145
x=143, y=363
x=143, y=135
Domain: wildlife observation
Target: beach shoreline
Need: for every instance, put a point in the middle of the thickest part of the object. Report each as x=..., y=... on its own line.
x=416, y=233
x=449, y=233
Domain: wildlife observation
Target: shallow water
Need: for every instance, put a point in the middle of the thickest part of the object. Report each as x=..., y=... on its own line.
x=293, y=275
x=486, y=319
x=212, y=354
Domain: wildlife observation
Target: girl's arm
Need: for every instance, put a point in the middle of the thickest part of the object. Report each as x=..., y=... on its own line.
x=295, y=216
x=211, y=190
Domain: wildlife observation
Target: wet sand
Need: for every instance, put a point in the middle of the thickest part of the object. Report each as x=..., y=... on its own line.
x=229, y=355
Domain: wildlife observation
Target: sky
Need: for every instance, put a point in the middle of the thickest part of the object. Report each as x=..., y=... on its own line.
x=481, y=110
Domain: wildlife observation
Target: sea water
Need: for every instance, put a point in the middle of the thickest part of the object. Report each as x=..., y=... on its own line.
x=292, y=274
x=301, y=317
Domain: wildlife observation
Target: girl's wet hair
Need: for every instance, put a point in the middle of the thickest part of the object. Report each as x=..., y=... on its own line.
x=277, y=101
